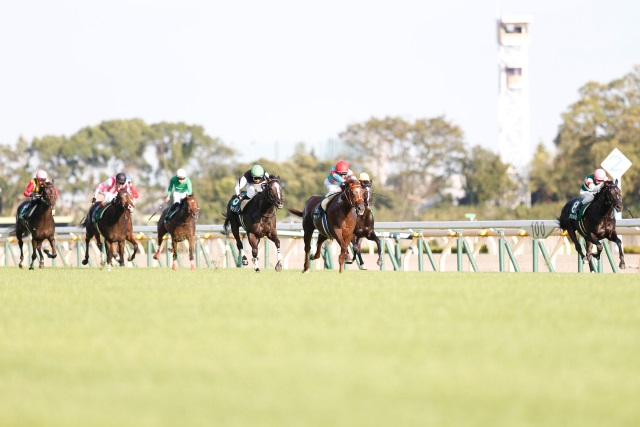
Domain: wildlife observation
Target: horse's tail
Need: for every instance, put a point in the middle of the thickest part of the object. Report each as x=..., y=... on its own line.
x=83, y=222
x=227, y=221
x=296, y=212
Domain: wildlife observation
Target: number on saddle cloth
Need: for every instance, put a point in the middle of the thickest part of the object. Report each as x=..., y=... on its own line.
x=234, y=203
x=575, y=214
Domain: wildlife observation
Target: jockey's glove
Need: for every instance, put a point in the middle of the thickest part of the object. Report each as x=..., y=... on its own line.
x=93, y=200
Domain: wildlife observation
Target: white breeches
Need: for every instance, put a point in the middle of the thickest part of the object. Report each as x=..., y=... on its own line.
x=587, y=196
x=178, y=196
x=108, y=197
x=331, y=188
x=253, y=189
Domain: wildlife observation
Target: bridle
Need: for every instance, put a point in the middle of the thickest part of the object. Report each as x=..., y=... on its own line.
x=188, y=212
x=353, y=196
x=271, y=198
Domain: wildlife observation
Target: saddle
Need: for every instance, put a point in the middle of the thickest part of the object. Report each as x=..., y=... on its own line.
x=97, y=214
x=172, y=211
x=578, y=215
x=236, y=205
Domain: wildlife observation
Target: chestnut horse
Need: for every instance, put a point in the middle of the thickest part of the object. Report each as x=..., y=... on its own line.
x=258, y=219
x=114, y=224
x=337, y=223
x=597, y=223
x=40, y=225
x=181, y=226
x=364, y=227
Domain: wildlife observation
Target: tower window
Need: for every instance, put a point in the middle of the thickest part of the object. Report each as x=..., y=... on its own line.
x=514, y=71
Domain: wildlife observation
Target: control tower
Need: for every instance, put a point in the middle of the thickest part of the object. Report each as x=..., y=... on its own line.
x=514, y=145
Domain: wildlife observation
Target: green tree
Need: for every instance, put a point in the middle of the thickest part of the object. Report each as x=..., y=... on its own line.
x=606, y=116
x=486, y=179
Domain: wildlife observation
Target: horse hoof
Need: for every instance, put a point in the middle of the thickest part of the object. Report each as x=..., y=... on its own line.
x=278, y=266
x=157, y=255
x=257, y=270
x=245, y=262
x=31, y=268
x=85, y=262
x=348, y=261
x=20, y=265
x=622, y=266
x=362, y=267
x=379, y=263
x=174, y=266
x=193, y=267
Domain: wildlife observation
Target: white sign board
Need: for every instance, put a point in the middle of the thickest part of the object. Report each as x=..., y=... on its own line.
x=616, y=164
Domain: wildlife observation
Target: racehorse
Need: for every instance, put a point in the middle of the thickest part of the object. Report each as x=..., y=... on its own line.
x=181, y=226
x=40, y=225
x=258, y=219
x=340, y=220
x=114, y=224
x=364, y=227
x=597, y=223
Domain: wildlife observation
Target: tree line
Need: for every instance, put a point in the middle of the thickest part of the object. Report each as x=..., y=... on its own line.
x=424, y=164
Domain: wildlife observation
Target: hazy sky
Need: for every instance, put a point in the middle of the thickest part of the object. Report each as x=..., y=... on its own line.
x=258, y=72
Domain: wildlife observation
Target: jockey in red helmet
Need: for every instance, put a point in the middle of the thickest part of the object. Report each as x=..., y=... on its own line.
x=34, y=189
x=337, y=175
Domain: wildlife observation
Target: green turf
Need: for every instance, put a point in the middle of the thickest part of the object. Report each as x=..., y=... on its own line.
x=153, y=347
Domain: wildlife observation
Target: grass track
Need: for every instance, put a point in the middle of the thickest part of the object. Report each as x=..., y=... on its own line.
x=152, y=347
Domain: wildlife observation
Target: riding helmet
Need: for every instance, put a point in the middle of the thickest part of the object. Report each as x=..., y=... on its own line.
x=257, y=171
x=41, y=174
x=364, y=177
x=600, y=175
x=181, y=173
x=121, y=178
x=342, y=167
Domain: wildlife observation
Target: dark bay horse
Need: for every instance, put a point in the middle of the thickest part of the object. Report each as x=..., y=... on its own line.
x=114, y=224
x=341, y=215
x=365, y=227
x=181, y=226
x=40, y=225
x=258, y=219
x=597, y=223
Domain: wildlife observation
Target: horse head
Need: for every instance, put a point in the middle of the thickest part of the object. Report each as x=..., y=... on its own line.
x=354, y=193
x=611, y=195
x=368, y=194
x=49, y=196
x=124, y=199
x=191, y=205
x=273, y=192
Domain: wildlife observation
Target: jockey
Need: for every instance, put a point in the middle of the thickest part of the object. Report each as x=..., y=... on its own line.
x=34, y=189
x=338, y=174
x=252, y=180
x=110, y=187
x=590, y=186
x=180, y=185
x=364, y=177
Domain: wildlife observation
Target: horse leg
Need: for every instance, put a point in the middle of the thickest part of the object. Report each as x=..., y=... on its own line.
x=614, y=238
x=254, y=241
x=235, y=230
x=374, y=237
x=274, y=238
x=41, y=257
x=357, y=252
x=576, y=243
x=161, y=233
x=52, y=243
x=344, y=254
x=121, y=253
x=192, y=246
x=321, y=240
x=34, y=252
x=307, y=249
x=589, y=256
x=174, y=245
x=135, y=247
x=18, y=235
x=109, y=251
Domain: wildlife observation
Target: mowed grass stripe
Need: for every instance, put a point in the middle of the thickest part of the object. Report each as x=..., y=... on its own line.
x=153, y=347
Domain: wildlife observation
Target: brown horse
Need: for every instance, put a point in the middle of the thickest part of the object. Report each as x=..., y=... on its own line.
x=181, y=226
x=597, y=223
x=340, y=220
x=364, y=227
x=40, y=225
x=258, y=219
x=114, y=224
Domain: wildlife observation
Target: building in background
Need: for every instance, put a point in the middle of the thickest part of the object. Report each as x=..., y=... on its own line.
x=514, y=144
